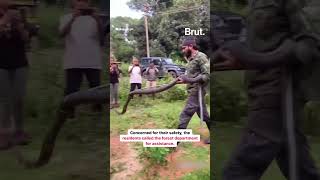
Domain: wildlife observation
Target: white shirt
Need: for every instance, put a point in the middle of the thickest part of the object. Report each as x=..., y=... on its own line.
x=135, y=75
x=82, y=46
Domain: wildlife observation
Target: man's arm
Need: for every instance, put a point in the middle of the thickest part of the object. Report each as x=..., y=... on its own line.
x=205, y=70
x=302, y=31
x=99, y=27
x=66, y=28
x=302, y=48
x=23, y=32
x=204, y=75
x=120, y=71
x=14, y=18
x=66, y=24
x=130, y=69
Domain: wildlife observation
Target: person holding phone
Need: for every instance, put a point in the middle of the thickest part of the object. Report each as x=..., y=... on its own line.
x=13, y=76
x=82, y=31
x=115, y=72
x=135, y=75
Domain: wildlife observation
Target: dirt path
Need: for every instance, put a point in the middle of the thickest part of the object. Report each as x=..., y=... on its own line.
x=124, y=160
x=177, y=168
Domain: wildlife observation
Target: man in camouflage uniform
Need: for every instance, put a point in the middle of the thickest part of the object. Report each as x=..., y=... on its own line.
x=270, y=22
x=197, y=76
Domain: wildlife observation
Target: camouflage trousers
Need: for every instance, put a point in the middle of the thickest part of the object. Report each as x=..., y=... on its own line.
x=192, y=106
x=255, y=153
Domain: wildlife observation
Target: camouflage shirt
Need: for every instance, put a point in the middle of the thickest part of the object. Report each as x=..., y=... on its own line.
x=269, y=23
x=198, y=65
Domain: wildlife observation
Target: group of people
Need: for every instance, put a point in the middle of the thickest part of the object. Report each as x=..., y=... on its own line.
x=136, y=74
x=83, y=34
x=196, y=79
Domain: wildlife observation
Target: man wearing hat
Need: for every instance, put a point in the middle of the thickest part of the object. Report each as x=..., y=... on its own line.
x=196, y=77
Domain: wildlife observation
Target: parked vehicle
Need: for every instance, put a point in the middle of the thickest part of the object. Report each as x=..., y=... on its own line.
x=165, y=66
x=227, y=26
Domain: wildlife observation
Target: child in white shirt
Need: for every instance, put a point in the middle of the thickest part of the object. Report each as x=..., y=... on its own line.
x=135, y=75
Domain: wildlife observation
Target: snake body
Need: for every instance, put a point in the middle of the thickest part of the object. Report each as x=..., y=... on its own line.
x=256, y=60
x=47, y=145
x=96, y=95
x=146, y=91
x=92, y=96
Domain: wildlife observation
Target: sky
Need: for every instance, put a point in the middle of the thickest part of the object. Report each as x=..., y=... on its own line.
x=120, y=8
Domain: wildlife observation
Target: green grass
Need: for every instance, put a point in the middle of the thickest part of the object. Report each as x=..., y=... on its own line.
x=226, y=137
x=147, y=113
x=197, y=175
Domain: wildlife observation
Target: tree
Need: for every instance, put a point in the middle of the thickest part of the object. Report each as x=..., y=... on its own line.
x=167, y=22
x=153, y=5
x=123, y=50
x=236, y=6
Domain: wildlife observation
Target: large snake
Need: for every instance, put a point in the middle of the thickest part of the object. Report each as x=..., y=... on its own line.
x=96, y=95
x=147, y=91
x=286, y=53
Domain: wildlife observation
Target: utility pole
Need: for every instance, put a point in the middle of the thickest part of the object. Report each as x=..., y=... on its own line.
x=146, y=11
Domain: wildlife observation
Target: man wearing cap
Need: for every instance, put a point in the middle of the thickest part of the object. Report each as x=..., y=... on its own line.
x=196, y=77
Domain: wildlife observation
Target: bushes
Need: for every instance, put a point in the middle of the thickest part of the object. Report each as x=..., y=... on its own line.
x=200, y=174
x=311, y=118
x=154, y=155
x=175, y=93
x=229, y=101
x=49, y=22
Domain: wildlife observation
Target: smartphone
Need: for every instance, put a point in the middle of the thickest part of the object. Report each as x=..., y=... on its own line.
x=86, y=12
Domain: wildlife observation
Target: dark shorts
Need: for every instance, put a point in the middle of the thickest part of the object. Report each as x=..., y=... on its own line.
x=74, y=78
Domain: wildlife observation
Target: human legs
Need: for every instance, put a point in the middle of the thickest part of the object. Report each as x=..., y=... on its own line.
x=73, y=80
x=305, y=164
x=116, y=94
x=190, y=108
x=19, y=84
x=94, y=79
x=251, y=158
x=5, y=94
x=19, y=81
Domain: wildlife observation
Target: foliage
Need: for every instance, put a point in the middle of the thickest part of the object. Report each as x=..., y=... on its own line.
x=154, y=7
x=86, y=133
x=154, y=155
x=121, y=49
x=311, y=118
x=166, y=26
x=48, y=18
x=66, y=2
x=175, y=93
x=144, y=113
x=229, y=97
x=236, y=6
x=202, y=174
